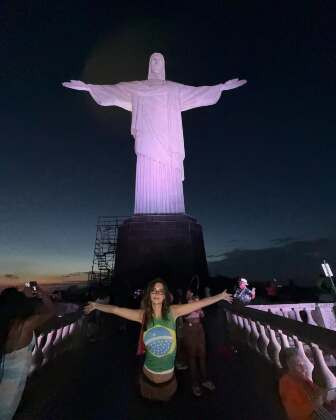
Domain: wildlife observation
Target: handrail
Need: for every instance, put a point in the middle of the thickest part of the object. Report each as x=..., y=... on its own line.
x=323, y=337
x=60, y=321
x=316, y=313
x=269, y=335
x=56, y=336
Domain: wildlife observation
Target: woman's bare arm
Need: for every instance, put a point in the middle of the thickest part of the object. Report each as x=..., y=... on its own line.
x=130, y=314
x=180, y=310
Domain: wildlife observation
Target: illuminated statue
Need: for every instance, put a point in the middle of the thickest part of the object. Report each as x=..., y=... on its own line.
x=156, y=105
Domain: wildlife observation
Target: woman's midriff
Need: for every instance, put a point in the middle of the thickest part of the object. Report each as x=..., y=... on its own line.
x=158, y=378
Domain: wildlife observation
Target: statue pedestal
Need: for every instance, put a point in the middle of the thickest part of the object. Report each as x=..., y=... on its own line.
x=169, y=246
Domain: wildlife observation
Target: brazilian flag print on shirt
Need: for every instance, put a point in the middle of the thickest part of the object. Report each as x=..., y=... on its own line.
x=160, y=344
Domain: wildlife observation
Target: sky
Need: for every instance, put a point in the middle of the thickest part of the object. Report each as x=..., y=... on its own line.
x=259, y=164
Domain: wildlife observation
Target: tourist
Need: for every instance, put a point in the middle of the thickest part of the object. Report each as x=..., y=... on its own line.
x=272, y=290
x=243, y=295
x=189, y=295
x=180, y=361
x=158, y=317
x=194, y=342
x=18, y=320
x=301, y=398
x=56, y=296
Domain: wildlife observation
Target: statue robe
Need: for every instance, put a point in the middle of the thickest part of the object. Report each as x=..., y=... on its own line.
x=156, y=107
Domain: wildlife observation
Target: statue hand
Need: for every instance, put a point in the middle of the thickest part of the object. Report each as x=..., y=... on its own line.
x=76, y=84
x=233, y=84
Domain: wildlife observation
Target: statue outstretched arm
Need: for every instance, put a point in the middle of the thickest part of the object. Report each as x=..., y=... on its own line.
x=105, y=95
x=232, y=84
x=76, y=84
x=194, y=97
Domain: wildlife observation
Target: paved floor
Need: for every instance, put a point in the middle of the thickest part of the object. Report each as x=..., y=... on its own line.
x=98, y=382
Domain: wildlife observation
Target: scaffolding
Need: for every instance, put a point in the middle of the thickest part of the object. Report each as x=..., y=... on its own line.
x=104, y=254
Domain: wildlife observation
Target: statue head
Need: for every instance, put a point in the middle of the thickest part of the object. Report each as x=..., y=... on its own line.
x=156, y=68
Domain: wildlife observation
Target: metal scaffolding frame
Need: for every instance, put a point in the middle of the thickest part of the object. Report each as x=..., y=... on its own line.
x=104, y=254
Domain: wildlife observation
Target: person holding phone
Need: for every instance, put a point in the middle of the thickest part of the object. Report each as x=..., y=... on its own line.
x=194, y=342
x=18, y=320
x=243, y=295
x=158, y=319
x=32, y=285
x=301, y=398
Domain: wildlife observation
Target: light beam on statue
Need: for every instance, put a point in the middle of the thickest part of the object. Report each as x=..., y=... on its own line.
x=156, y=105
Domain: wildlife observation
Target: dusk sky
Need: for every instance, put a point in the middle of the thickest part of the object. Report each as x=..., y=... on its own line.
x=260, y=164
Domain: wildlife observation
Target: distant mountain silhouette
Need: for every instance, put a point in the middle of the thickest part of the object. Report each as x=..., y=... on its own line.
x=297, y=260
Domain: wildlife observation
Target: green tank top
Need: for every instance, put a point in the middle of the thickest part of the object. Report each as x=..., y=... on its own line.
x=160, y=344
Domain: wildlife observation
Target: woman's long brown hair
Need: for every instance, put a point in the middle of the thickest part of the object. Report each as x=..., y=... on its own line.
x=146, y=303
x=14, y=305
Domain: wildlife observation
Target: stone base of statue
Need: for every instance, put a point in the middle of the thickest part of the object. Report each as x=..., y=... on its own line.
x=169, y=246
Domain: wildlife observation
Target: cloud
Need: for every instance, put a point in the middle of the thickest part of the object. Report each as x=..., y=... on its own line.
x=79, y=273
x=298, y=260
x=281, y=241
x=11, y=276
x=222, y=254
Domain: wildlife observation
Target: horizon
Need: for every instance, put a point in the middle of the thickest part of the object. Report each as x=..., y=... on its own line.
x=305, y=272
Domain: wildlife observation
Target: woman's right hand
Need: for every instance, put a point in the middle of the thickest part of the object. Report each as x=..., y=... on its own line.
x=227, y=296
x=91, y=306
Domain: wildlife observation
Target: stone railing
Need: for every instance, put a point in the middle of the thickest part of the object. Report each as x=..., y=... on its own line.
x=269, y=334
x=59, y=335
x=321, y=314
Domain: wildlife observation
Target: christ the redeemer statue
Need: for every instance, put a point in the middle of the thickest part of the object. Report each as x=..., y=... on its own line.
x=156, y=105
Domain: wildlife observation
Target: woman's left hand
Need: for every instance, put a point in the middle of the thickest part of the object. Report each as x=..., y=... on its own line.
x=91, y=306
x=227, y=296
